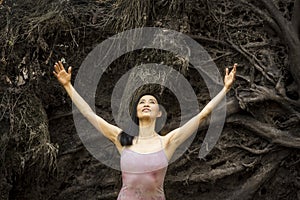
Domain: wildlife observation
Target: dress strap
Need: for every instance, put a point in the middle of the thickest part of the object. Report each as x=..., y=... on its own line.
x=161, y=142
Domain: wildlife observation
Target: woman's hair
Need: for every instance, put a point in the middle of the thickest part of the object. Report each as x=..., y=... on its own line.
x=125, y=138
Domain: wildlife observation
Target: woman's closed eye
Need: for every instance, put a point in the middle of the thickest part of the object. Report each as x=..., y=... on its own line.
x=151, y=101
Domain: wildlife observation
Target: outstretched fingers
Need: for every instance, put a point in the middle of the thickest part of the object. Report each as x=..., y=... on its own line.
x=230, y=76
x=234, y=68
x=69, y=70
x=61, y=66
x=55, y=74
x=56, y=69
x=233, y=71
x=226, y=71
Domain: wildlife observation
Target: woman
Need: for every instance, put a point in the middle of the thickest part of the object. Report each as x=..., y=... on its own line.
x=144, y=158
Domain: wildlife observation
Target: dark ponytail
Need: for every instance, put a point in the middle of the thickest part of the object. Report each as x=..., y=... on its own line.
x=125, y=139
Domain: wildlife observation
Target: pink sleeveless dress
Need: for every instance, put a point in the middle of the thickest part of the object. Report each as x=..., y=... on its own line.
x=143, y=175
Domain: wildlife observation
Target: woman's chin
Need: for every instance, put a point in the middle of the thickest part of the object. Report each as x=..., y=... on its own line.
x=146, y=116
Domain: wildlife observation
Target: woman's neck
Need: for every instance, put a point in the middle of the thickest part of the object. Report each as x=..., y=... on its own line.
x=146, y=129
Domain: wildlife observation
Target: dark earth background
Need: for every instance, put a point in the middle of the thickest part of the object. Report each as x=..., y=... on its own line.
x=257, y=156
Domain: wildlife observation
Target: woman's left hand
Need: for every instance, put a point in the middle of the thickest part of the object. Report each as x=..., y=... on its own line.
x=230, y=77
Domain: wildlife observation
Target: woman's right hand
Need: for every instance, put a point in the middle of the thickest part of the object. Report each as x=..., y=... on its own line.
x=62, y=76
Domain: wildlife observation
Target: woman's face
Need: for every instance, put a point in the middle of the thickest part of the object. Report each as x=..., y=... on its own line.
x=148, y=107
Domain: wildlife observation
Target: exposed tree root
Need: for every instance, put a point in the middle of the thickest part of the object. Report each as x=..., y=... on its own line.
x=267, y=131
x=270, y=164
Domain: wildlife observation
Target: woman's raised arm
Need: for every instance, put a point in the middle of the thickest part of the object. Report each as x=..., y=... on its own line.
x=179, y=135
x=110, y=131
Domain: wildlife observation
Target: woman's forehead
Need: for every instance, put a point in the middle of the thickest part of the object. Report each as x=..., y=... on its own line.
x=148, y=97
